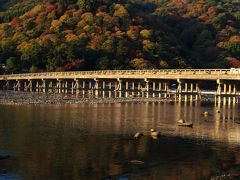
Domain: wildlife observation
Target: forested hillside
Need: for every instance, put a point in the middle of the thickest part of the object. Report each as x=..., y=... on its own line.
x=67, y=35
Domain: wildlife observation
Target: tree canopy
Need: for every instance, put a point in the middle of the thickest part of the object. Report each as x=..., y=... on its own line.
x=53, y=35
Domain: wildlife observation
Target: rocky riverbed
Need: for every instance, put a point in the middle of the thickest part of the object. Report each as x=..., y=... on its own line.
x=9, y=97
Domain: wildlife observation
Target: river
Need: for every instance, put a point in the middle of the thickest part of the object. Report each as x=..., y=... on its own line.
x=95, y=141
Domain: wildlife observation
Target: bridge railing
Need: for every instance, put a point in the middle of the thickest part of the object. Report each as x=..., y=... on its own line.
x=129, y=72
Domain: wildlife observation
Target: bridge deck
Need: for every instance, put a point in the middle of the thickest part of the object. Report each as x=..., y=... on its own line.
x=170, y=74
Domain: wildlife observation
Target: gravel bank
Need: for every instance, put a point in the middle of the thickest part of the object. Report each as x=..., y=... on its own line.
x=10, y=97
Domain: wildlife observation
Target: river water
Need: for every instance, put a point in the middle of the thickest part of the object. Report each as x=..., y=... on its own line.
x=95, y=141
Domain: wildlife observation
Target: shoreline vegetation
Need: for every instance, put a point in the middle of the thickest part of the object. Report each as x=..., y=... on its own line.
x=25, y=98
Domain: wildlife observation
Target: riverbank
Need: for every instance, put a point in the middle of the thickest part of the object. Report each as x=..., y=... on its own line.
x=10, y=97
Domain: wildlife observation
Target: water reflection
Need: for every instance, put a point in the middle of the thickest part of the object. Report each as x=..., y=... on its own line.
x=95, y=141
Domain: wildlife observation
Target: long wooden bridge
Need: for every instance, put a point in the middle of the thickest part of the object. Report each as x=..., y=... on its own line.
x=181, y=84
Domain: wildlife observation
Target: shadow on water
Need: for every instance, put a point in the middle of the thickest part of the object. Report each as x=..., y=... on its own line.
x=4, y=155
x=9, y=176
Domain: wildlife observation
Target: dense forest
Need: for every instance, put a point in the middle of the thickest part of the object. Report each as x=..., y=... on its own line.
x=69, y=35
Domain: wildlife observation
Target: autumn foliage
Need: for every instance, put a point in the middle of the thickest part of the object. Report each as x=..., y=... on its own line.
x=50, y=35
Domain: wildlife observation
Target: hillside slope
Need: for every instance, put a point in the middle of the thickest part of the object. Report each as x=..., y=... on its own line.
x=135, y=34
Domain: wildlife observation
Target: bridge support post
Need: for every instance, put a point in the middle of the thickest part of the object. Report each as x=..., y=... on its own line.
x=83, y=87
x=103, y=88
x=25, y=86
x=110, y=89
x=224, y=93
x=133, y=88
x=126, y=89
x=139, y=88
x=166, y=88
x=31, y=85
x=40, y=86
x=59, y=86
x=234, y=93
x=186, y=92
x=191, y=91
x=154, y=88
x=198, y=93
x=19, y=85
x=89, y=88
x=159, y=89
x=72, y=87
x=219, y=91
x=62, y=87
x=237, y=97
x=14, y=86
x=7, y=85
x=147, y=88
x=120, y=87
x=115, y=86
x=229, y=94
x=96, y=87
x=110, y=86
x=44, y=86
x=50, y=87
x=66, y=87
x=179, y=90
x=37, y=86
x=76, y=87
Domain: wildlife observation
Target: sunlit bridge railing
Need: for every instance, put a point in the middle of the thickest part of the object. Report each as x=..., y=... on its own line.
x=131, y=72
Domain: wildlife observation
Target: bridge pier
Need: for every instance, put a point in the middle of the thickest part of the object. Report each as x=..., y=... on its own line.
x=57, y=86
x=83, y=87
x=119, y=88
x=126, y=89
x=159, y=89
x=96, y=87
x=191, y=92
x=50, y=87
x=235, y=98
x=226, y=92
x=139, y=89
x=147, y=88
x=179, y=90
x=186, y=92
x=103, y=89
x=18, y=85
x=198, y=93
x=154, y=89
x=30, y=86
x=186, y=89
x=166, y=88
x=133, y=88
x=25, y=87
x=109, y=89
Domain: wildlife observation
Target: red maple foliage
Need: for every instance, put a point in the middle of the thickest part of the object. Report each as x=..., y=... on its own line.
x=139, y=53
x=135, y=28
x=75, y=64
x=98, y=28
x=49, y=6
x=14, y=21
x=235, y=63
x=69, y=12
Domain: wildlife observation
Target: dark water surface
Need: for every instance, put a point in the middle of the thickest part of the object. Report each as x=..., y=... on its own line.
x=94, y=141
